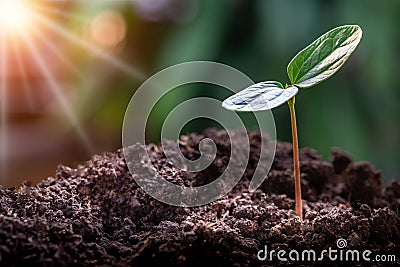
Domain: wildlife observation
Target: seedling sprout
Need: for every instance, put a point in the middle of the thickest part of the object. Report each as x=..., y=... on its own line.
x=314, y=64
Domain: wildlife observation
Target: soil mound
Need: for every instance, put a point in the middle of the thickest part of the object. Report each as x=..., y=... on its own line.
x=95, y=214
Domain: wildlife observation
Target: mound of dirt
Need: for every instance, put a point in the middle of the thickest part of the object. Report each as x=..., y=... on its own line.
x=95, y=214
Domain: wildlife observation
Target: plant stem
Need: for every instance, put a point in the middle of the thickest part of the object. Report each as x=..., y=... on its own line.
x=296, y=162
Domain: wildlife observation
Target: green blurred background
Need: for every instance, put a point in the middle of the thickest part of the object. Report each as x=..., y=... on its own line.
x=108, y=48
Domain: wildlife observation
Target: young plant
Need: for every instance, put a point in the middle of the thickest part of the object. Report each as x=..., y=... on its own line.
x=314, y=64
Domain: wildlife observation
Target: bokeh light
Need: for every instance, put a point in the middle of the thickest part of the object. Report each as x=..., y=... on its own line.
x=107, y=30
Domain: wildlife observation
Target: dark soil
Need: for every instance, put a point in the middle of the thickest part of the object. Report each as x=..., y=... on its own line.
x=96, y=214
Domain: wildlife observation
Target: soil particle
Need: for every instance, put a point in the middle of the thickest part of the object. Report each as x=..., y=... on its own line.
x=340, y=160
x=95, y=214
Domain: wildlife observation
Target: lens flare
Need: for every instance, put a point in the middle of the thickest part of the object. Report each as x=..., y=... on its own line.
x=14, y=15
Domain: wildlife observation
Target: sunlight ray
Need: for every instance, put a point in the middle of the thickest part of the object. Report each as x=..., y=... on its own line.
x=23, y=75
x=42, y=8
x=92, y=49
x=57, y=52
x=3, y=108
x=57, y=90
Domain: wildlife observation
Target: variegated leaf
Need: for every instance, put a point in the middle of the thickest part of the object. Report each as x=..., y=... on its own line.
x=324, y=57
x=260, y=96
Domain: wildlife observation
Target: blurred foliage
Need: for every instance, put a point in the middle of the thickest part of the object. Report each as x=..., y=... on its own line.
x=356, y=110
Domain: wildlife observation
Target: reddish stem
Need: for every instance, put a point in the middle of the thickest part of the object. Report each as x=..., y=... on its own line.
x=296, y=162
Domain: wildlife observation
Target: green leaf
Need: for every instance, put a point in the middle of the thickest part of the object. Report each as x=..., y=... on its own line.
x=260, y=96
x=324, y=57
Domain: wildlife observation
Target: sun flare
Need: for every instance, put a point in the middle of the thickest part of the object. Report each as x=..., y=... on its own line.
x=14, y=15
x=30, y=31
